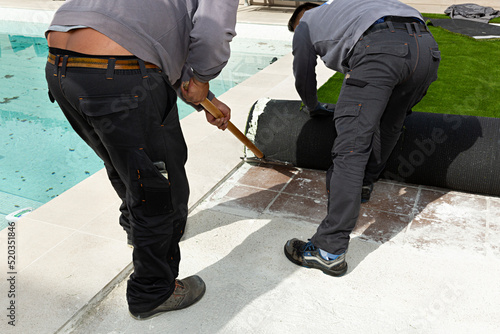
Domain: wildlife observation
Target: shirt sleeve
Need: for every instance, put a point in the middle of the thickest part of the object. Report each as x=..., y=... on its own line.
x=213, y=28
x=304, y=66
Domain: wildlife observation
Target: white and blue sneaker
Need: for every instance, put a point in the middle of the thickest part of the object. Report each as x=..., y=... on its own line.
x=307, y=255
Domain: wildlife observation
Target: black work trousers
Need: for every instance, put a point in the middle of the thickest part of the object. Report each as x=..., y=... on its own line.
x=390, y=70
x=129, y=118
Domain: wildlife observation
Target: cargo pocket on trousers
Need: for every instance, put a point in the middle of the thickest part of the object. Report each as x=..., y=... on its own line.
x=436, y=54
x=436, y=59
x=157, y=198
x=346, y=124
x=114, y=118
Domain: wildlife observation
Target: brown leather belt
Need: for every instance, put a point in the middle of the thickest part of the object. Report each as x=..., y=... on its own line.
x=72, y=61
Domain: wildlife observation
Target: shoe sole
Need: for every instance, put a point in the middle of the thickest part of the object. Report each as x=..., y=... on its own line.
x=147, y=316
x=313, y=266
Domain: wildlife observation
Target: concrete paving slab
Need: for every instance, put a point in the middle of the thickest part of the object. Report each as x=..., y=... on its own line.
x=253, y=288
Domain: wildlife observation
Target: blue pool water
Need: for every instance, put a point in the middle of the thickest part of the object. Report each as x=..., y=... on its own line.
x=40, y=155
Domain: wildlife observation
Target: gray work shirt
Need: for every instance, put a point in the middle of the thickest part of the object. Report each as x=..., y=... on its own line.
x=176, y=35
x=331, y=31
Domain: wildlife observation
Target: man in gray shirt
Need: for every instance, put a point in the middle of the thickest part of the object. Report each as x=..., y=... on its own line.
x=115, y=68
x=389, y=59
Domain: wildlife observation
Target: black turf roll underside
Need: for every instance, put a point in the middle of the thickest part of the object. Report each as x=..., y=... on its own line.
x=448, y=151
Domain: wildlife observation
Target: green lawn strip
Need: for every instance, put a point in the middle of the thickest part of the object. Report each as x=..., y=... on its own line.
x=468, y=83
x=435, y=16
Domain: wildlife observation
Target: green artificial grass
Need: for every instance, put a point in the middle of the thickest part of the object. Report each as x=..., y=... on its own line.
x=435, y=16
x=444, y=16
x=468, y=77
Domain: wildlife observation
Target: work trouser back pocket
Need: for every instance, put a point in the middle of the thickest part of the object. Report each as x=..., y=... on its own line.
x=116, y=119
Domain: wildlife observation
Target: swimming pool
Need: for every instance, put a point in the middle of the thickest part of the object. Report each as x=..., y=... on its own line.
x=40, y=155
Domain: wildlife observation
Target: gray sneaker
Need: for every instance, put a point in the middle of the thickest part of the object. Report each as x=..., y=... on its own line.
x=187, y=292
x=305, y=254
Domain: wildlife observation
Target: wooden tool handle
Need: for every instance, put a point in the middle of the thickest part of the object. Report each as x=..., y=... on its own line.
x=214, y=111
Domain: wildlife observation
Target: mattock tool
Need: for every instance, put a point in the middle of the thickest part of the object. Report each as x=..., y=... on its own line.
x=259, y=156
x=214, y=111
